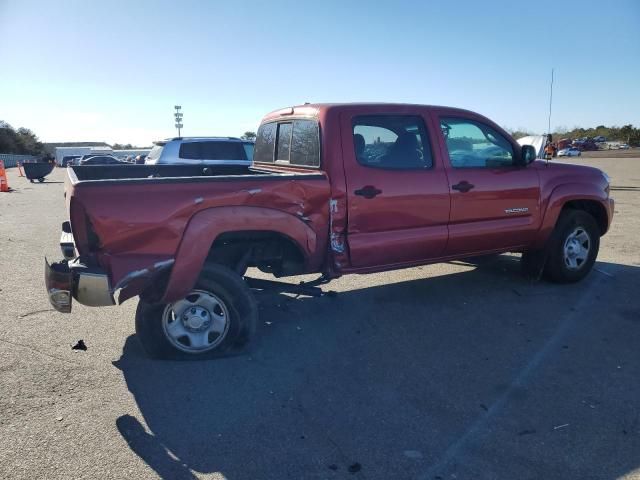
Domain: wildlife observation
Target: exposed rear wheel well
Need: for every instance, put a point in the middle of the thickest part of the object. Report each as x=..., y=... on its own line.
x=271, y=252
x=593, y=208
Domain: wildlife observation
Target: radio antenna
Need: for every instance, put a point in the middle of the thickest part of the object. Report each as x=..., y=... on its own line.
x=548, y=141
x=550, y=101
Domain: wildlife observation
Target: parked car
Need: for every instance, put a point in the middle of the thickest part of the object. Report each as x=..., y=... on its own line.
x=569, y=152
x=623, y=146
x=335, y=189
x=102, y=160
x=200, y=151
x=69, y=160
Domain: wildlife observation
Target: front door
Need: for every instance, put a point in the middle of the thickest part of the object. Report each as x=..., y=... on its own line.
x=494, y=199
x=398, y=197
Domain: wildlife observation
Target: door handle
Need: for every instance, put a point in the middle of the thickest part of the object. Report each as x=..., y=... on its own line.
x=368, y=191
x=463, y=186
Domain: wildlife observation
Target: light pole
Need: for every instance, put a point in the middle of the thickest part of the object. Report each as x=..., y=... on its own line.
x=178, y=116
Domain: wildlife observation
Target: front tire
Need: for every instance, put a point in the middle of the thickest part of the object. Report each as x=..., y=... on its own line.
x=573, y=247
x=217, y=318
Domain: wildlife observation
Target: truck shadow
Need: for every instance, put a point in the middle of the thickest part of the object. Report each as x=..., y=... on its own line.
x=388, y=379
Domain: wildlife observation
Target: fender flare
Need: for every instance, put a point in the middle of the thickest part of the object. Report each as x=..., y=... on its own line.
x=207, y=225
x=559, y=197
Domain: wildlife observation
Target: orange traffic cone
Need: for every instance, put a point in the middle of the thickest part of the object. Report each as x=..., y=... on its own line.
x=21, y=174
x=4, y=184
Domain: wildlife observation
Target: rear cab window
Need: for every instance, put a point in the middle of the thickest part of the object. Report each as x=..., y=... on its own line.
x=293, y=142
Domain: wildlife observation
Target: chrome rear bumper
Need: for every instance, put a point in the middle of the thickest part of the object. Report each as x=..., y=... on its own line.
x=74, y=278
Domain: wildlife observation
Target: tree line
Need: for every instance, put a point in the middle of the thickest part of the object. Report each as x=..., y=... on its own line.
x=627, y=133
x=21, y=141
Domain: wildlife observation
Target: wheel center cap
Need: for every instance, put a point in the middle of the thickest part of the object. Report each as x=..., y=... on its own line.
x=196, y=319
x=574, y=247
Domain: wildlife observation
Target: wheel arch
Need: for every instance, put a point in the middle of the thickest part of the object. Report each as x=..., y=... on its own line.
x=578, y=196
x=212, y=228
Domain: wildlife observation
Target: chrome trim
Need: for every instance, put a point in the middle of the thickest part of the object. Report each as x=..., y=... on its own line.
x=93, y=290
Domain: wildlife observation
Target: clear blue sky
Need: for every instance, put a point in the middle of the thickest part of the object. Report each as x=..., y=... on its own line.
x=113, y=70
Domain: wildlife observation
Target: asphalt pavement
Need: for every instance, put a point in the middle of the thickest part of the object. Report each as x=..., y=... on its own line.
x=464, y=370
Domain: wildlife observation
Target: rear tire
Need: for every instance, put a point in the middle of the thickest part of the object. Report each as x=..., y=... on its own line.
x=220, y=296
x=573, y=247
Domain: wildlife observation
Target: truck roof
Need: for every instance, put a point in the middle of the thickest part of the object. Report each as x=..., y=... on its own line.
x=195, y=139
x=316, y=109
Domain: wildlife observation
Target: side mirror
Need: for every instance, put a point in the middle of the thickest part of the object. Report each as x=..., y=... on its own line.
x=528, y=154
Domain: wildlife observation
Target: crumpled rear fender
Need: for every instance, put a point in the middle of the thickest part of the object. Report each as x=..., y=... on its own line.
x=206, y=225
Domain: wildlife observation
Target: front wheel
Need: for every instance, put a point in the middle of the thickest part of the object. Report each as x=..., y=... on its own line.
x=573, y=247
x=217, y=318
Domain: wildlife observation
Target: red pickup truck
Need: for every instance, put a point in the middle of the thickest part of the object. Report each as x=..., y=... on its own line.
x=334, y=189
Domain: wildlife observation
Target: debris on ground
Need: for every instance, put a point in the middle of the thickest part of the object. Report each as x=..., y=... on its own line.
x=80, y=345
x=558, y=427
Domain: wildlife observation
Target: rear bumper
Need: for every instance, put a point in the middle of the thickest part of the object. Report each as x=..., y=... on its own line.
x=88, y=284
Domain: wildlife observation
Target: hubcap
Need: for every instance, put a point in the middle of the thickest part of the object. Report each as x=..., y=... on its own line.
x=197, y=323
x=576, y=249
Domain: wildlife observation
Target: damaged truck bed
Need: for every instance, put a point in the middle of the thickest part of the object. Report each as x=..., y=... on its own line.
x=138, y=221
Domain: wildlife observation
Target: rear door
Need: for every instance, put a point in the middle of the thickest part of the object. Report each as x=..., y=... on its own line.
x=494, y=200
x=398, y=196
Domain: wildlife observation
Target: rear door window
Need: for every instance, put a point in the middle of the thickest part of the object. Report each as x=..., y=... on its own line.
x=212, y=150
x=397, y=142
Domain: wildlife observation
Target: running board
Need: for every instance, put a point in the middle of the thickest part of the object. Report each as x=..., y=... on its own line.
x=283, y=287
